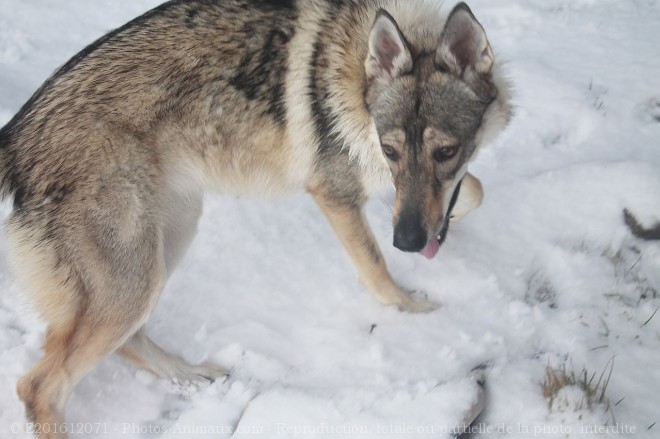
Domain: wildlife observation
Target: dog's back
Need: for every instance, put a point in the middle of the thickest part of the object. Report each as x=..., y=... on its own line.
x=188, y=79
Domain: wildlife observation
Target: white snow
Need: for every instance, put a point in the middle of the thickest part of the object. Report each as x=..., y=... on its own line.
x=545, y=272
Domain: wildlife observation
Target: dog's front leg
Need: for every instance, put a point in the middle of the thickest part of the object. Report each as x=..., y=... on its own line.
x=348, y=220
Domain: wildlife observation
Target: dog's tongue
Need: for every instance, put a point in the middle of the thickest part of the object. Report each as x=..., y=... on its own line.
x=431, y=249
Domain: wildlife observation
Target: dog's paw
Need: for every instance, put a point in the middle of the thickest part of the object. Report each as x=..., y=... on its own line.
x=199, y=375
x=211, y=371
x=417, y=303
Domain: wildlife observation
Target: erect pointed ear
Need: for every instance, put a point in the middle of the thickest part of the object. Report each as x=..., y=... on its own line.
x=389, y=56
x=464, y=45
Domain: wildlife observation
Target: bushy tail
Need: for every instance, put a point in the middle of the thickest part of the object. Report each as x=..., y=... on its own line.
x=5, y=177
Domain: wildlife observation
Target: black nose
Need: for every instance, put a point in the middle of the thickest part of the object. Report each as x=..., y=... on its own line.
x=409, y=235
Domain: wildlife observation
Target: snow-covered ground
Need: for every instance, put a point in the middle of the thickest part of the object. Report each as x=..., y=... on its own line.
x=544, y=274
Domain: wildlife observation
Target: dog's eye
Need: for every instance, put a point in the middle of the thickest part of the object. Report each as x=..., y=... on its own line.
x=445, y=153
x=390, y=152
x=441, y=67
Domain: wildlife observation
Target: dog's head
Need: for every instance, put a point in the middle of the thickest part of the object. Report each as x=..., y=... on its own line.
x=429, y=108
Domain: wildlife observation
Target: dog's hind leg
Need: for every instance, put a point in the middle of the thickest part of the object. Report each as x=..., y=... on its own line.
x=69, y=353
x=143, y=352
x=180, y=217
x=181, y=212
x=350, y=224
x=93, y=298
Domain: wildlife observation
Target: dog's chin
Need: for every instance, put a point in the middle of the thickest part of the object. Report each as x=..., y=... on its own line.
x=433, y=246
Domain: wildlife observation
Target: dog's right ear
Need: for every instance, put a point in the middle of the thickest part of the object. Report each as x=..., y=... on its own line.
x=389, y=56
x=464, y=44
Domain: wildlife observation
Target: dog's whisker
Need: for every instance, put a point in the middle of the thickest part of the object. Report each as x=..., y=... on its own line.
x=386, y=204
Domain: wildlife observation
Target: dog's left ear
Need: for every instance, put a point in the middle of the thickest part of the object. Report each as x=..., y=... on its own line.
x=389, y=56
x=464, y=46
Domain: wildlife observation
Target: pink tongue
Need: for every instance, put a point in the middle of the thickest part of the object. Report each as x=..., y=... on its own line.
x=431, y=249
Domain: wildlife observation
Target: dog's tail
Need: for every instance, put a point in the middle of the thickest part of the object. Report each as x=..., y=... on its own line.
x=651, y=233
x=6, y=174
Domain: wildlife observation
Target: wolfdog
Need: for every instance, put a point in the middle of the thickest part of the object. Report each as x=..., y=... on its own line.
x=108, y=160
